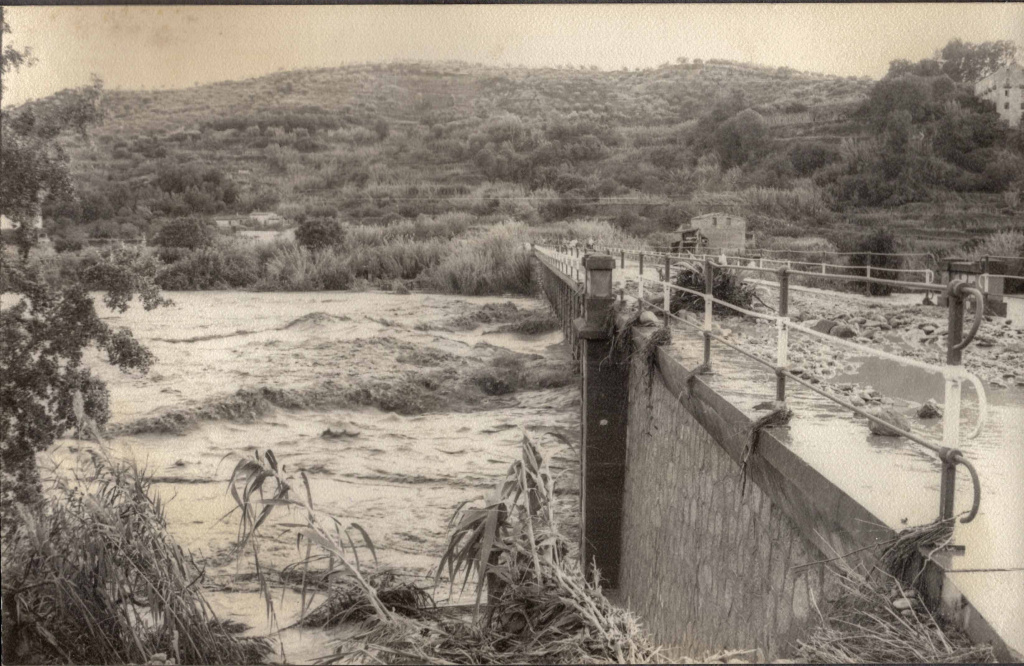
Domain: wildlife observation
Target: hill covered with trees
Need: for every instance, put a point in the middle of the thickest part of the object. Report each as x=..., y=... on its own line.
x=794, y=152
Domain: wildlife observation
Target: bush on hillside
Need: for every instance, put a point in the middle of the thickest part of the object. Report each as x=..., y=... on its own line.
x=320, y=233
x=185, y=232
x=884, y=242
x=741, y=138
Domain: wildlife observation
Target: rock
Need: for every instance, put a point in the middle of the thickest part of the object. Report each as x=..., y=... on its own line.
x=824, y=325
x=648, y=318
x=902, y=604
x=857, y=402
x=890, y=416
x=928, y=328
x=844, y=331
x=929, y=410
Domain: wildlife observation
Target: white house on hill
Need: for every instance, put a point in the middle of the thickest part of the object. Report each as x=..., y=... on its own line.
x=722, y=231
x=1004, y=87
x=7, y=224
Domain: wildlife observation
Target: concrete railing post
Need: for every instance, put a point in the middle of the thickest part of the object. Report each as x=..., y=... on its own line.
x=605, y=405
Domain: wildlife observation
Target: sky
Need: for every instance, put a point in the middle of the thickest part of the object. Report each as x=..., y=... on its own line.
x=180, y=46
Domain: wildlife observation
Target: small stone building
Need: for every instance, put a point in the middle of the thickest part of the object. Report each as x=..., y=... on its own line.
x=722, y=231
x=1004, y=87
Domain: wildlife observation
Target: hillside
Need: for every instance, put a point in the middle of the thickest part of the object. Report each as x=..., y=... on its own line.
x=378, y=142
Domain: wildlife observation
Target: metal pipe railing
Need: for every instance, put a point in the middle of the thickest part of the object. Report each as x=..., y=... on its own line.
x=954, y=374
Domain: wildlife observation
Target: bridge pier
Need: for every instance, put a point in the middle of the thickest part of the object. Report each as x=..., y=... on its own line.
x=605, y=405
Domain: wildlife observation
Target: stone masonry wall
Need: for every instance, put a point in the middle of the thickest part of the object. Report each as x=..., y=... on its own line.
x=705, y=567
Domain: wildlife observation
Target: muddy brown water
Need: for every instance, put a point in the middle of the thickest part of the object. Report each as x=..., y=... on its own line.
x=399, y=476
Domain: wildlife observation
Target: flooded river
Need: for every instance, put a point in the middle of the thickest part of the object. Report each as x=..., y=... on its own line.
x=399, y=475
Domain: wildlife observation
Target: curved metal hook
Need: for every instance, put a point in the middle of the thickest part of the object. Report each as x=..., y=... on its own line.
x=959, y=458
x=979, y=310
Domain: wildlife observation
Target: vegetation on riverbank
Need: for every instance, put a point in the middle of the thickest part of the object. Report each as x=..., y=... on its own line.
x=540, y=607
x=93, y=577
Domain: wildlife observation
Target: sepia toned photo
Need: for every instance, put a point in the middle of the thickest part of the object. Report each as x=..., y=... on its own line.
x=512, y=334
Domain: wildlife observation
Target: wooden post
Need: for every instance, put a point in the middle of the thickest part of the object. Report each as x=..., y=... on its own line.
x=605, y=405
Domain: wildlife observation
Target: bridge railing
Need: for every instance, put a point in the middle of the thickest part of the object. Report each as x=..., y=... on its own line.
x=953, y=372
x=562, y=280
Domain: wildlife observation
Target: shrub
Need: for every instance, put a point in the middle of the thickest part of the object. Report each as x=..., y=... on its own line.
x=494, y=262
x=222, y=267
x=881, y=241
x=727, y=286
x=741, y=137
x=186, y=232
x=809, y=157
x=320, y=233
x=294, y=268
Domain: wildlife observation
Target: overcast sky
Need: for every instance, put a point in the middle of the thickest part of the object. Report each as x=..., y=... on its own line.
x=175, y=47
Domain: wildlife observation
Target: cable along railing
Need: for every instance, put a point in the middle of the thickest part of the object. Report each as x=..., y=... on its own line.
x=986, y=267
x=953, y=372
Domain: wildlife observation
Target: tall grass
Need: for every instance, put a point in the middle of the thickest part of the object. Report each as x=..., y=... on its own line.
x=496, y=261
x=294, y=268
x=94, y=578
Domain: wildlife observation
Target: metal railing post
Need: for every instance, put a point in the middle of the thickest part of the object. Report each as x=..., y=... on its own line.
x=622, y=263
x=640, y=286
x=782, y=323
x=867, y=273
x=951, y=406
x=984, y=275
x=709, y=282
x=667, y=297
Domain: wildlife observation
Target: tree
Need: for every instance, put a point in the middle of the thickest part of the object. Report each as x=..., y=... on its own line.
x=319, y=233
x=742, y=137
x=187, y=232
x=47, y=329
x=878, y=248
x=967, y=63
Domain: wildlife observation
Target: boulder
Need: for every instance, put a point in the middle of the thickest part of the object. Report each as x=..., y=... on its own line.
x=890, y=416
x=929, y=410
x=844, y=331
x=824, y=325
x=648, y=318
